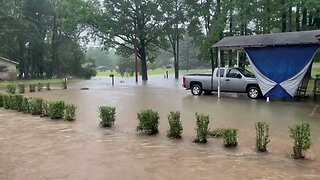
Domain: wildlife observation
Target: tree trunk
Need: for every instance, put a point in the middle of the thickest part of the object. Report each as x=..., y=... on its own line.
x=310, y=22
x=54, y=46
x=21, y=58
x=284, y=16
x=143, y=59
x=298, y=18
x=304, y=19
x=289, y=25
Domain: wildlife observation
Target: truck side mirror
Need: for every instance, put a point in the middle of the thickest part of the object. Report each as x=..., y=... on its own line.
x=239, y=76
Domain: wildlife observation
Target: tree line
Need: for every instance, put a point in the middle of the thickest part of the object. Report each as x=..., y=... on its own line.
x=49, y=31
x=44, y=37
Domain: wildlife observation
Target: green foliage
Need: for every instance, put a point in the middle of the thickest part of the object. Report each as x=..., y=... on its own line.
x=300, y=133
x=12, y=72
x=1, y=99
x=22, y=88
x=202, y=128
x=11, y=88
x=56, y=109
x=18, y=99
x=88, y=71
x=216, y=132
x=48, y=87
x=126, y=66
x=70, y=112
x=25, y=107
x=230, y=137
x=40, y=86
x=6, y=101
x=262, y=136
x=107, y=116
x=148, y=122
x=32, y=88
x=35, y=106
x=175, y=126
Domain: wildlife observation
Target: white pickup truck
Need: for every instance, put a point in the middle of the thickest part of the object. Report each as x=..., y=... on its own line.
x=237, y=80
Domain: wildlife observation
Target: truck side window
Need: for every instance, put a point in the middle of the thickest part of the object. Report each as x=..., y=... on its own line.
x=232, y=73
x=221, y=73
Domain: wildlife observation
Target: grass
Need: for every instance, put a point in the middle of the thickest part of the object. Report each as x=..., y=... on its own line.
x=35, y=81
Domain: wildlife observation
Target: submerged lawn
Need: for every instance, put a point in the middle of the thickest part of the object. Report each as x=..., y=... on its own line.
x=36, y=81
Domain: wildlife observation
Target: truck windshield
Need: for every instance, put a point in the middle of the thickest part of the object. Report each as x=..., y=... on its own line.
x=246, y=73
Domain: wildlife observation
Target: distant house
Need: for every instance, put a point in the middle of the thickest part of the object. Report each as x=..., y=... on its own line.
x=5, y=64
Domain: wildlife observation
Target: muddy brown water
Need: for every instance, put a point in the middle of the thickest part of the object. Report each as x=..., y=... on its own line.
x=39, y=148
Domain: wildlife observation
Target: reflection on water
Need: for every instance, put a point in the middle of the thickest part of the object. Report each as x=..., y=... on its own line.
x=39, y=148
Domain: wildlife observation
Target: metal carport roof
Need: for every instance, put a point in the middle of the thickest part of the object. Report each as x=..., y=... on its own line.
x=273, y=39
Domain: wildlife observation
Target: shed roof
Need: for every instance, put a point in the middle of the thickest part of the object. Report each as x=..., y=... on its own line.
x=8, y=60
x=273, y=39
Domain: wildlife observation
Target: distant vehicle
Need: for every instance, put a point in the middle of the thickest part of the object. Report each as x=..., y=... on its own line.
x=237, y=80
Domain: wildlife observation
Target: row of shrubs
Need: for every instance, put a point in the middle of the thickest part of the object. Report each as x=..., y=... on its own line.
x=149, y=120
x=38, y=106
x=12, y=88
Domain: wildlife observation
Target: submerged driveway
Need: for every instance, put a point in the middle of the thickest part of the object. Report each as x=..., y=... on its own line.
x=40, y=148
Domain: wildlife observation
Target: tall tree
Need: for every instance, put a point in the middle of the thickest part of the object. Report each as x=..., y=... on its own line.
x=174, y=13
x=128, y=24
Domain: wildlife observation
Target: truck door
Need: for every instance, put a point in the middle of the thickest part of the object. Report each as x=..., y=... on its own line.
x=215, y=80
x=234, y=81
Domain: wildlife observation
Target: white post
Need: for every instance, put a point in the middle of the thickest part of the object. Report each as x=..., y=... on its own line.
x=238, y=57
x=219, y=61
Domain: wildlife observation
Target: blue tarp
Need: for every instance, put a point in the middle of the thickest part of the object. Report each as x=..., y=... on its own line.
x=280, y=64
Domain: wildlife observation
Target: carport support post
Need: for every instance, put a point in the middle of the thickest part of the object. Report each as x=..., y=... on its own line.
x=219, y=62
x=238, y=57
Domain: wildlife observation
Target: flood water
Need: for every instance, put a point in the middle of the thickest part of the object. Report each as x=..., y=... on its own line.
x=39, y=148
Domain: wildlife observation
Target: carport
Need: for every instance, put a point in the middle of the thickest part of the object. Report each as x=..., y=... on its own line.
x=279, y=60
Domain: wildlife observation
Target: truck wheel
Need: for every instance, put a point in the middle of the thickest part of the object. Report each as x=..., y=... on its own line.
x=253, y=92
x=196, y=89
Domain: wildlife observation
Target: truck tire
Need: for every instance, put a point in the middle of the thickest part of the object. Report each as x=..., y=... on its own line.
x=196, y=89
x=253, y=92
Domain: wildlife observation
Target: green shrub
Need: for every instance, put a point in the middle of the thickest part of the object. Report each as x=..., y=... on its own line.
x=48, y=87
x=148, y=122
x=262, y=136
x=35, y=105
x=40, y=86
x=25, y=107
x=9, y=101
x=300, y=133
x=230, y=137
x=1, y=99
x=45, y=108
x=107, y=116
x=216, y=132
x=70, y=112
x=175, y=126
x=64, y=84
x=11, y=88
x=6, y=101
x=21, y=88
x=202, y=128
x=18, y=99
x=56, y=109
x=32, y=88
